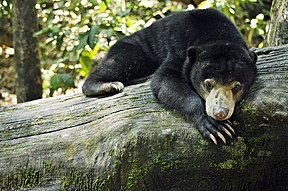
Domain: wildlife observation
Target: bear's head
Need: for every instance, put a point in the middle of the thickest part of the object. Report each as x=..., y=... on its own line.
x=221, y=73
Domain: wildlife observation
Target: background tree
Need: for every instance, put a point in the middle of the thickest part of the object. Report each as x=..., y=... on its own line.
x=278, y=27
x=27, y=62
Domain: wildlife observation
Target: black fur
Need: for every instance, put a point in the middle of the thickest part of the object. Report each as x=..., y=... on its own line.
x=183, y=49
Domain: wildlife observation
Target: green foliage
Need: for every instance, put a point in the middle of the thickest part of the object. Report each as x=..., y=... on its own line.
x=5, y=24
x=86, y=59
x=5, y=12
x=63, y=81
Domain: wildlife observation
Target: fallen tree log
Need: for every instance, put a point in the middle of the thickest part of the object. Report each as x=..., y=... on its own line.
x=130, y=142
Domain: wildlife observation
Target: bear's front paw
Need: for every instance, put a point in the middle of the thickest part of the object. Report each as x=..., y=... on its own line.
x=211, y=129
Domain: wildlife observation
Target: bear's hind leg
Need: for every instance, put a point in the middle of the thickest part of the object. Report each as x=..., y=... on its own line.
x=122, y=63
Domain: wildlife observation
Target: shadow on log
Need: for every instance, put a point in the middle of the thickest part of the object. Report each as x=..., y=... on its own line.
x=130, y=142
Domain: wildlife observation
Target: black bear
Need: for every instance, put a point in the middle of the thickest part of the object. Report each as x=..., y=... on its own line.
x=201, y=65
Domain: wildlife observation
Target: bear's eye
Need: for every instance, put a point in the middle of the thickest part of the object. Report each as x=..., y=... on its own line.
x=237, y=87
x=208, y=84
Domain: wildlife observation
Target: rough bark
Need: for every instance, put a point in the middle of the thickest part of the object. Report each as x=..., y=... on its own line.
x=278, y=27
x=27, y=63
x=130, y=142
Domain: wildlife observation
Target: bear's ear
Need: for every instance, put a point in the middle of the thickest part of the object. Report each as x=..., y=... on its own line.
x=192, y=53
x=253, y=56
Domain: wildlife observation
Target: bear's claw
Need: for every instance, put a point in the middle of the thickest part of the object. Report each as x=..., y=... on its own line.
x=221, y=137
x=227, y=132
x=111, y=87
x=101, y=88
x=228, y=124
x=212, y=138
x=212, y=129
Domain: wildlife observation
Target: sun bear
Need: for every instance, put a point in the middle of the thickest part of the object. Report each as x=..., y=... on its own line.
x=200, y=63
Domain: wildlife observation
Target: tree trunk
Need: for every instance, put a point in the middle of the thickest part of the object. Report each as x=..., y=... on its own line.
x=27, y=63
x=278, y=27
x=130, y=142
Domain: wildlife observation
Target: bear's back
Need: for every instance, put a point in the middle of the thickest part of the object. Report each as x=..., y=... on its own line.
x=181, y=30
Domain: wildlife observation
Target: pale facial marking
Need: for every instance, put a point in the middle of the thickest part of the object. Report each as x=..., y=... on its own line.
x=220, y=104
x=221, y=99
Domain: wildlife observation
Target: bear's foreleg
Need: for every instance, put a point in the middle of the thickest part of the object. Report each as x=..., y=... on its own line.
x=170, y=88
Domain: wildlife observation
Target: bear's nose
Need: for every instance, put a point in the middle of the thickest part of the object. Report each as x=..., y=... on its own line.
x=220, y=113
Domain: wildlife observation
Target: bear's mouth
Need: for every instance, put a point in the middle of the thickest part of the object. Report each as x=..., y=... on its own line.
x=220, y=113
x=220, y=99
